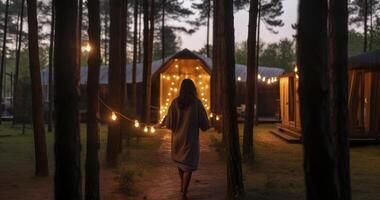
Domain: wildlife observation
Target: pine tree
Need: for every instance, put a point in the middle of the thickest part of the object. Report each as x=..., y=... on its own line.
x=66, y=100
x=51, y=47
x=251, y=82
x=3, y=51
x=94, y=61
x=37, y=107
x=114, y=77
x=321, y=182
x=235, y=187
x=338, y=61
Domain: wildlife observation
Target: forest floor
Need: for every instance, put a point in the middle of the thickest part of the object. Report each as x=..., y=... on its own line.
x=146, y=171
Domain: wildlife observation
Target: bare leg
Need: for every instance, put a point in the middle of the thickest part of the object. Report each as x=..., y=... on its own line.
x=180, y=172
x=187, y=179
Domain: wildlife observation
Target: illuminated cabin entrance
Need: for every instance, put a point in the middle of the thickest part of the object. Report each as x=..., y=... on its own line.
x=172, y=75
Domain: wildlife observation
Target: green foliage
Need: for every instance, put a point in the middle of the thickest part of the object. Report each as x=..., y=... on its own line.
x=355, y=43
x=172, y=43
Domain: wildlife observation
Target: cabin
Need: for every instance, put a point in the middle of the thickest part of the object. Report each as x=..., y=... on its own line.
x=363, y=100
x=167, y=75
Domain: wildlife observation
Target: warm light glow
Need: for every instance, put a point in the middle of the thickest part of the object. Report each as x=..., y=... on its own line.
x=217, y=118
x=211, y=115
x=172, y=83
x=152, y=130
x=86, y=48
x=113, y=116
x=295, y=69
x=239, y=78
x=197, y=68
x=137, y=124
x=146, y=129
x=259, y=76
x=264, y=79
x=297, y=77
x=176, y=66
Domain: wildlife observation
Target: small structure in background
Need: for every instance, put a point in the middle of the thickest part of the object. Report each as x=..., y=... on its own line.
x=363, y=100
x=167, y=75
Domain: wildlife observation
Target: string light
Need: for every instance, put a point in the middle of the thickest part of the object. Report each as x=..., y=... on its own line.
x=217, y=118
x=259, y=76
x=211, y=115
x=239, y=78
x=295, y=69
x=113, y=116
x=146, y=129
x=152, y=130
x=137, y=124
x=86, y=48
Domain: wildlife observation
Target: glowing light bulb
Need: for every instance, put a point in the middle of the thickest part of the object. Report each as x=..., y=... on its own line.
x=297, y=77
x=239, y=78
x=203, y=94
x=264, y=79
x=171, y=88
x=168, y=78
x=87, y=48
x=137, y=124
x=175, y=89
x=176, y=66
x=146, y=129
x=217, y=118
x=211, y=115
x=295, y=69
x=200, y=76
x=113, y=116
x=169, y=94
x=163, y=76
x=268, y=81
x=172, y=83
x=152, y=130
x=197, y=68
x=200, y=83
x=259, y=76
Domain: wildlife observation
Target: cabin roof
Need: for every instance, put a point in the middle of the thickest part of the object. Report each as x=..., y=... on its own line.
x=240, y=70
x=369, y=61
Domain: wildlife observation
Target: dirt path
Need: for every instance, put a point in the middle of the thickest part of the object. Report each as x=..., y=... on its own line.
x=162, y=183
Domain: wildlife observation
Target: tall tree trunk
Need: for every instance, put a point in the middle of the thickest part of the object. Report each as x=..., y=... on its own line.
x=216, y=70
x=106, y=34
x=123, y=70
x=208, y=28
x=251, y=82
x=338, y=57
x=319, y=152
x=365, y=41
x=94, y=61
x=37, y=109
x=147, y=68
x=80, y=19
x=163, y=31
x=66, y=101
x=139, y=36
x=256, y=118
x=114, y=77
x=134, y=60
x=235, y=187
x=17, y=68
x=370, y=31
x=51, y=46
x=4, y=51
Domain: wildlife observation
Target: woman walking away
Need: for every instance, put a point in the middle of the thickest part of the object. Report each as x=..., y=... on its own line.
x=185, y=117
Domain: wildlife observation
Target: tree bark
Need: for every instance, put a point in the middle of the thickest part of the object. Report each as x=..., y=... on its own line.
x=235, y=187
x=37, y=109
x=256, y=118
x=66, y=101
x=114, y=77
x=208, y=29
x=17, y=68
x=94, y=61
x=51, y=46
x=249, y=118
x=365, y=41
x=147, y=65
x=319, y=152
x=134, y=60
x=338, y=64
x=163, y=31
x=123, y=70
x=216, y=69
x=139, y=37
x=4, y=51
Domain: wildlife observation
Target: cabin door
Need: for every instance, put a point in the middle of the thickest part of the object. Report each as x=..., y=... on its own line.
x=292, y=101
x=284, y=82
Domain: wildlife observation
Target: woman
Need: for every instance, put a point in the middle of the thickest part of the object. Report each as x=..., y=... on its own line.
x=185, y=117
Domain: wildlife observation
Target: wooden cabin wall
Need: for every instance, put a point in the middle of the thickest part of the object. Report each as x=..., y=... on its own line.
x=374, y=124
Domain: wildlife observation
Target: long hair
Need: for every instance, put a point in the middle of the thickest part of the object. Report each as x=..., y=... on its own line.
x=187, y=94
